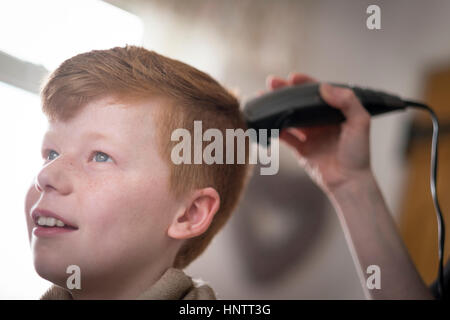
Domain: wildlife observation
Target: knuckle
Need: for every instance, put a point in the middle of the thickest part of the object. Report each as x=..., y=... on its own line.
x=347, y=97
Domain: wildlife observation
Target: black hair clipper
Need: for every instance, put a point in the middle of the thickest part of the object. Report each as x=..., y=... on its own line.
x=302, y=106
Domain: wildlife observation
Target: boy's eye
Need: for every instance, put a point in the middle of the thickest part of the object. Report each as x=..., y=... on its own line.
x=49, y=156
x=102, y=157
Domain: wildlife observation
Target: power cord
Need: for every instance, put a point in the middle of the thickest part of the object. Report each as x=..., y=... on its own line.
x=440, y=218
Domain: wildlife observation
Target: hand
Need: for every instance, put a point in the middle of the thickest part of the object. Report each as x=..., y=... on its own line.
x=332, y=155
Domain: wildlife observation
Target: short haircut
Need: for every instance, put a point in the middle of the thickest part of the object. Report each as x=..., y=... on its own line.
x=133, y=72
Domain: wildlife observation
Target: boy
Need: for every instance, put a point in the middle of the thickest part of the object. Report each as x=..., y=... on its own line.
x=110, y=203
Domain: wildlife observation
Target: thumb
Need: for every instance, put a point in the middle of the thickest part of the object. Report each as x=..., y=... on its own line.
x=347, y=102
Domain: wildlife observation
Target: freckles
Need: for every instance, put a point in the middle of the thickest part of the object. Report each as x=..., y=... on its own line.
x=102, y=185
x=135, y=201
x=101, y=200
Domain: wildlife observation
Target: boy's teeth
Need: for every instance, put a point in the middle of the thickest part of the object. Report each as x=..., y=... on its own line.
x=42, y=221
x=50, y=222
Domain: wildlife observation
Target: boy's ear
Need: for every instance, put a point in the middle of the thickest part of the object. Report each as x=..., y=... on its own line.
x=195, y=218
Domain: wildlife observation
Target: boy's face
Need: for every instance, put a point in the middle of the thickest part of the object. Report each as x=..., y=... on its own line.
x=118, y=199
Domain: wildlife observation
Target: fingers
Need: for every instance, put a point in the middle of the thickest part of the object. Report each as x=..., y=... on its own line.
x=294, y=78
x=345, y=100
x=275, y=82
x=299, y=133
x=292, y=140
x=300, y=78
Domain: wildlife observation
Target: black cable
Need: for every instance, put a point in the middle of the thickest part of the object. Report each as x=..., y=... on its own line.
x=440, y=219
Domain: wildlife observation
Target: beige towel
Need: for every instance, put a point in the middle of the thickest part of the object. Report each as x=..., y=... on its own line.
x=174, y=284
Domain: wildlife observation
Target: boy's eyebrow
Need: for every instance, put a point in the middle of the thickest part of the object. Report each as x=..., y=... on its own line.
x=94, y=135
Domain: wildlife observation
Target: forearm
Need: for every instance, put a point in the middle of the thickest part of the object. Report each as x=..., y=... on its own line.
x=373, y=239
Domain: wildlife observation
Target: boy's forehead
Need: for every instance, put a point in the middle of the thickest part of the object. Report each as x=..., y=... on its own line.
x=108, y=116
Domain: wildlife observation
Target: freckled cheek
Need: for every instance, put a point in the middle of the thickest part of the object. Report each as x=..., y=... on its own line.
x=121, y=208
x=148, y=205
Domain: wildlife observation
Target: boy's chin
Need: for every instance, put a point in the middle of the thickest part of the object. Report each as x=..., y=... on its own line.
x=51, y=273
x=53, y=266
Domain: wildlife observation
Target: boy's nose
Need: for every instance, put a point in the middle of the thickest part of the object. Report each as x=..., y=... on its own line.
x=54, y=176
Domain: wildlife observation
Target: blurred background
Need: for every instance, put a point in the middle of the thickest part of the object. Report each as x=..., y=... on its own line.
x=284, y=241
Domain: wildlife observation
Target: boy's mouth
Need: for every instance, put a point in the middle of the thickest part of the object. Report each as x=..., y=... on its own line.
x=49, y=220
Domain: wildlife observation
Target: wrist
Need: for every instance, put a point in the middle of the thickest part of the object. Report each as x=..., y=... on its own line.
x=357, y=198
x=354, y=183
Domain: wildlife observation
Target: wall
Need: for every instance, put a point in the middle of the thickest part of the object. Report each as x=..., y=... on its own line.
x=241, y=42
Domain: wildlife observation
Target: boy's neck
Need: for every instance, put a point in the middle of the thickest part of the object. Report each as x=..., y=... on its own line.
x=125, y=287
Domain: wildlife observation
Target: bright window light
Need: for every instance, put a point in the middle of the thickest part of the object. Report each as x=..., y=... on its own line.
x=43, y=32
x=22, y=126
x=47, y=32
